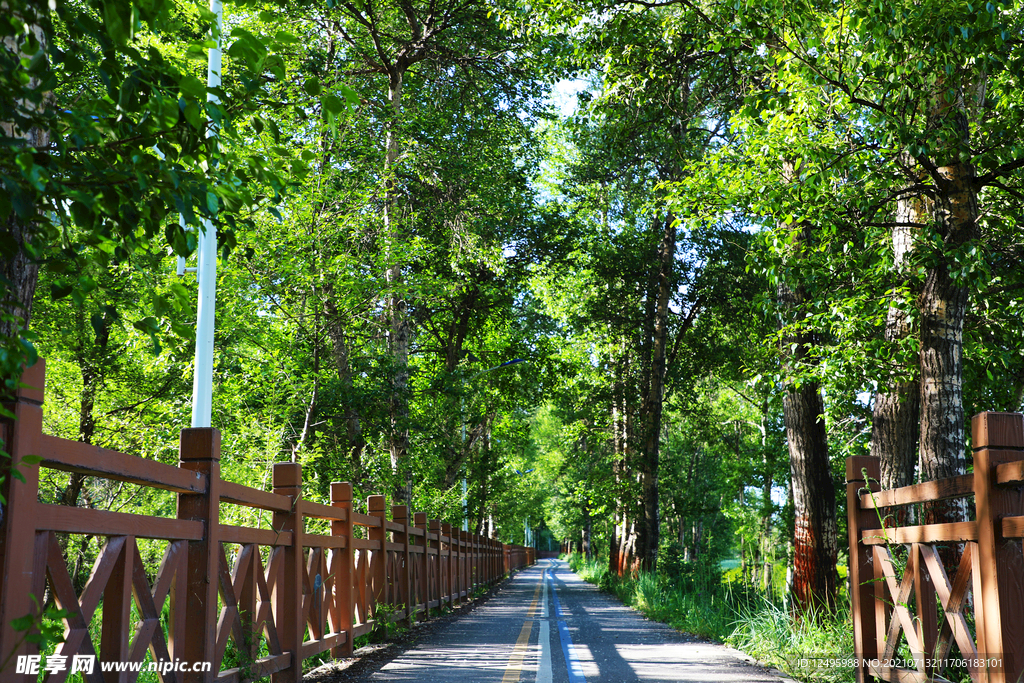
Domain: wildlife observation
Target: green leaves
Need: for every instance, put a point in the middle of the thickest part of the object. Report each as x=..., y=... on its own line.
x=248, y=48
x=312, y=87
x=332, y=104
x=192, y=87
x=335, y=105
x=117, y=19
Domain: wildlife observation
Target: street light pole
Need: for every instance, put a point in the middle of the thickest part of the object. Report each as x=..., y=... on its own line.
x=202, y=379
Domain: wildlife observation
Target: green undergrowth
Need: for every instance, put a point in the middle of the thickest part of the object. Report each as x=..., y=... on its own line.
x=698, y=600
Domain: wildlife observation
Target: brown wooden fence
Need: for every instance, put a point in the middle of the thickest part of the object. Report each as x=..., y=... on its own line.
x=915, y=619
x=279, y=594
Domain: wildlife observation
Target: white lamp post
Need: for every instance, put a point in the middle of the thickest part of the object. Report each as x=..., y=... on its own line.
x=202, y=380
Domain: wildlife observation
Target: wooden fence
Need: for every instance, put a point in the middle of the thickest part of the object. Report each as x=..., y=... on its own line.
x=915, y=619
x=280, y=594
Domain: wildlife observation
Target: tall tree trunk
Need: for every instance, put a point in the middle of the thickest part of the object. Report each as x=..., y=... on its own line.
x=628, y=555
x=19, y=271
x=815, y=541
x=90, y=359
x=895, y=417
x=397, y=303
x=625, y=492
x=352, y=417
x=767, y=460
x=617, y=457
x=588, y=525
x=22, y=272
x=943, y=305
x=653, y=405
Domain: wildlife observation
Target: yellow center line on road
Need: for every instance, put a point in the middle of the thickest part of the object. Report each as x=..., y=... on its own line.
x=515, y=662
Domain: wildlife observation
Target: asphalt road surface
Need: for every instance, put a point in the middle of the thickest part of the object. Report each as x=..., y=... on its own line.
x=549, y=626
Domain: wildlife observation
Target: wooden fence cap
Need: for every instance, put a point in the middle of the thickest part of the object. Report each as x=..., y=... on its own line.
x=287, y=474
x=997, y=430
x=341, y=491
x=199, y=443
x=856, y=463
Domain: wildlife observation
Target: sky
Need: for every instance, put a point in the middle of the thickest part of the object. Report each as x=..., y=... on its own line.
x=563, y=95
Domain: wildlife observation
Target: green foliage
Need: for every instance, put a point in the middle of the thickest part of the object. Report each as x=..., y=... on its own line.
x=97, y=180
x=771, y=634
x=385, y=625
x=702, y=605
x=517, y=234
x=42, y=628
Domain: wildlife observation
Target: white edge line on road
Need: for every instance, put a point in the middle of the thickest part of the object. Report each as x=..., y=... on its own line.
x=544, y=637
x=572, y=664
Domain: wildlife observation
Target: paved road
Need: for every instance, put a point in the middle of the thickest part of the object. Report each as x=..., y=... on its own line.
x=549, y=626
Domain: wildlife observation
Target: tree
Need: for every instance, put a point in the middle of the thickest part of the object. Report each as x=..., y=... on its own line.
x=924, y=101
x=392, y=42
x=99, y=177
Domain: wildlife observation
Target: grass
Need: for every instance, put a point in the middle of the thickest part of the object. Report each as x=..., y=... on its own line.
x=801, y=647
x=703, y=602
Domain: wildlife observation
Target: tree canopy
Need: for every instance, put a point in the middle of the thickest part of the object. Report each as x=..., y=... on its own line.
x=652, y=319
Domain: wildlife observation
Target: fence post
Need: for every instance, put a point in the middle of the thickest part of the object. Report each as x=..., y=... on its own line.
x=423, y=589
x=435, y=587
x=998, y=438
x=467, y=562
x=18, y=532
x=199, y=451
x=861, y=571
x=342, y=566
x=291, y=625
x=449, y=565
x=403, y=582
x=378, y=558
x=474, y=563
x=456, y=566
x=463, y=567
x=470, y=563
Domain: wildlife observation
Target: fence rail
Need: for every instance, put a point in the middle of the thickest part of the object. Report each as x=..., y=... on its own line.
x=919, y=591
x=278, y=595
